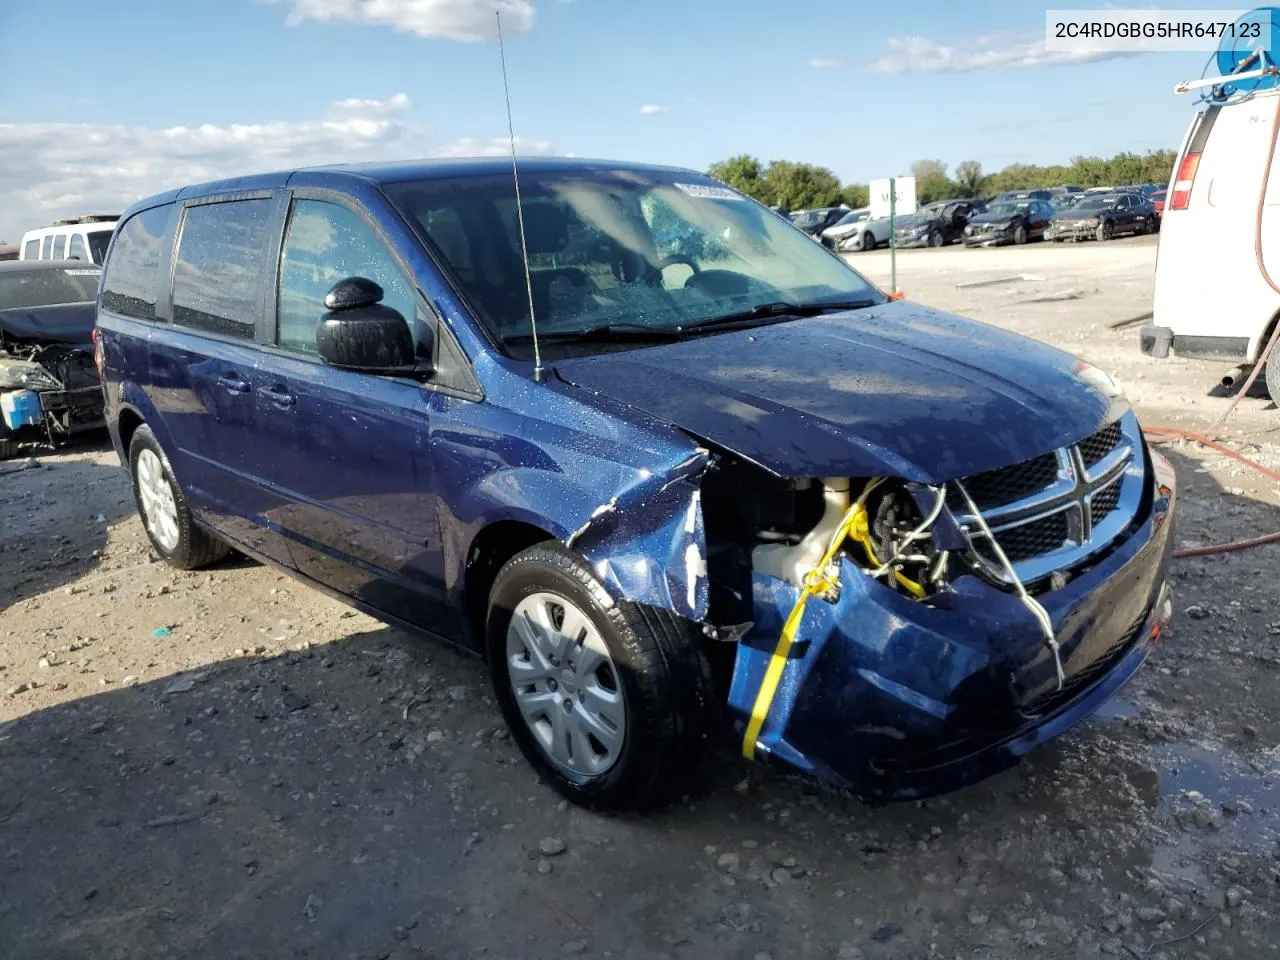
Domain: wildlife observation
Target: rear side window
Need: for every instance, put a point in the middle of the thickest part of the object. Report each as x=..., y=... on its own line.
x=46, y=247
x=134, y=271
x=32, y=250
x=217, y=285
x=75, y=249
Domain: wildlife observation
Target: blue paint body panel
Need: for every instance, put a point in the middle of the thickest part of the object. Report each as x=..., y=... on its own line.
x=377, y=488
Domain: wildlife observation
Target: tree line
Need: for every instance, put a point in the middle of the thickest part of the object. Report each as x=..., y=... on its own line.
x=799, y=186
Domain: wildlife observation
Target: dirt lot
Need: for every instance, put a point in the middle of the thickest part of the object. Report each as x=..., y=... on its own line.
x=227, y=765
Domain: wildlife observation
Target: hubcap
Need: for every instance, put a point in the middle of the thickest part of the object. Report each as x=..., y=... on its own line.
x=566, y=684
x=159, y=508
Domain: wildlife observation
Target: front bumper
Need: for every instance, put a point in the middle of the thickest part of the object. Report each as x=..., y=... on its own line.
x=988, y=238
x=1073, y=230
x=895, y=699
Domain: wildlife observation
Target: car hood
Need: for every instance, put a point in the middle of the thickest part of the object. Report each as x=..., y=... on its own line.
x=899, y=389
x=70, y=323
x=913, y=222
x=1064, y=215
x=994, y=217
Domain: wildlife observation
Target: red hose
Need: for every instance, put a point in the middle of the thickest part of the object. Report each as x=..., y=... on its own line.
x=1225, y=451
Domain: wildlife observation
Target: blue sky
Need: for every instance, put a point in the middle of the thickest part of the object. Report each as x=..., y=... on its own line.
x=862, y=88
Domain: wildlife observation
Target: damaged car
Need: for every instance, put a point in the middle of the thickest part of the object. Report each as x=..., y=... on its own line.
x=668, y=493
x=49, y=385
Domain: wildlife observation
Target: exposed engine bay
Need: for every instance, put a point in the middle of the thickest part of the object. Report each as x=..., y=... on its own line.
x=48, y=391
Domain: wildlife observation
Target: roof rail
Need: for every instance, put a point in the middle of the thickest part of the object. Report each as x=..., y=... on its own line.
x=87, y=218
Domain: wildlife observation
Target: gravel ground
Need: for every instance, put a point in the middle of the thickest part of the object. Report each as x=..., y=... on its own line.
x=226, y=764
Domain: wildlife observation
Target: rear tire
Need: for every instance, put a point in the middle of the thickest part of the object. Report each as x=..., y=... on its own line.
x=1272, y=374
x=656, y=683
x=163, y=508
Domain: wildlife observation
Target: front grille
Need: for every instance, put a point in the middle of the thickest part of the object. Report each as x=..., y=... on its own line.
x=994, y=488
x=1094, y=449
x=1104, y=502
x=1045, y=510
x=1028, y=540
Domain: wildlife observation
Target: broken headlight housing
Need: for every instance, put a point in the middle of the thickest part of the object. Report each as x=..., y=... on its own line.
x=25, y=375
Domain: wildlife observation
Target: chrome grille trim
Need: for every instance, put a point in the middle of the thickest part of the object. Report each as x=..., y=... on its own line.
x=1072, y=494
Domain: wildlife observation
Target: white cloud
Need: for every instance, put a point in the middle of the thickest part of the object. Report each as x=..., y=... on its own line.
x=469, y=20
x=922, y=54
x=653, y=109
x=493, y=147
x=50, y=170
x=821, y=63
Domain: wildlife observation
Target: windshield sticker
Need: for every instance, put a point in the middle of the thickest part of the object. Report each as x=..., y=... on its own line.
x=708, y=192
x=82, y=273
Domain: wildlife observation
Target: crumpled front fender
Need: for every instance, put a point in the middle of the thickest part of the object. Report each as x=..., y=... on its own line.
x=647, y=543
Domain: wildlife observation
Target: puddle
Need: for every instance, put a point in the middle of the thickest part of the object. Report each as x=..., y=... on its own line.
x=1117, y=708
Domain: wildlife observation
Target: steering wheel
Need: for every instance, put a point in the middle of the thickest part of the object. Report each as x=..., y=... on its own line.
x=676, y=261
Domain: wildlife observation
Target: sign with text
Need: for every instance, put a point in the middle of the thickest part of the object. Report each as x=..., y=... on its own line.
x=905, y=203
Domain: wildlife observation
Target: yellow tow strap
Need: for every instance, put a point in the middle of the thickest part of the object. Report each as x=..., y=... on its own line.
x=817, y=581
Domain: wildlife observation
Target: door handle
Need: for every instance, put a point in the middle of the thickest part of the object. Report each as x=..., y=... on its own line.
x=233, y=383
x=280, y=396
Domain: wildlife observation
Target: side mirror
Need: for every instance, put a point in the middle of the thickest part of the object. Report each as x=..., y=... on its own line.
x=359, y=333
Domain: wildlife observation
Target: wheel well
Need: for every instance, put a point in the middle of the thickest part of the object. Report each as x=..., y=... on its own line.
x=129, y=422
x=490, y=551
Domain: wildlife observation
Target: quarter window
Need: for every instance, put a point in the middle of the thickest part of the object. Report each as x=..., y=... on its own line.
x=46, y=247
x=32, y=250
x=132, y=276
x=59, y=246
x=218, y=280
x=326, y=243
x=75, y=249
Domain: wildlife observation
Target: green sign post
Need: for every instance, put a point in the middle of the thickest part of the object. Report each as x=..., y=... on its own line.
x=893, y=233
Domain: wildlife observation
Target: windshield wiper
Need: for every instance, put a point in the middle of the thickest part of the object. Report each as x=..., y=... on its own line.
x=605, y=333
x=770, y=312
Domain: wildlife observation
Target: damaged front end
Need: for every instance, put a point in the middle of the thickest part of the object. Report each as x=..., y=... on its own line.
x=48, y=391
x=898, y=639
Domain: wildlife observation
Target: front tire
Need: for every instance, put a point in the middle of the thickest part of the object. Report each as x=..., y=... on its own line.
x=8, y=449
x=1104, y=232
x=1020, y=234
x=610, y=702
x=868, y=242
x=935, y=238
x=163, y=508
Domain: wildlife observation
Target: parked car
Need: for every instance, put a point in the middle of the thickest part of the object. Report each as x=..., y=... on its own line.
x=75, y=238
x=8, y=252
x=49, y=386
x=1215, y=280
x=336, y=371
x=813, y=222
x=1157, y=202
x=856, y=231
x=1103, y=217
x=1016, y=196
x=935, y=224
x=1008, y=222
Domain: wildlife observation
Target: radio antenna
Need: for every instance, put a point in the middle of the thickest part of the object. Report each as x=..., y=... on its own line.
x=515, y=175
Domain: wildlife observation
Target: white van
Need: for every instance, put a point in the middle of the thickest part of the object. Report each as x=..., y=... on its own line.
x=77, y=238
x=1217, y=291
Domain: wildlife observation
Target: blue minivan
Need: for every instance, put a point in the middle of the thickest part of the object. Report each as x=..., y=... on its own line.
x=728, y=489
